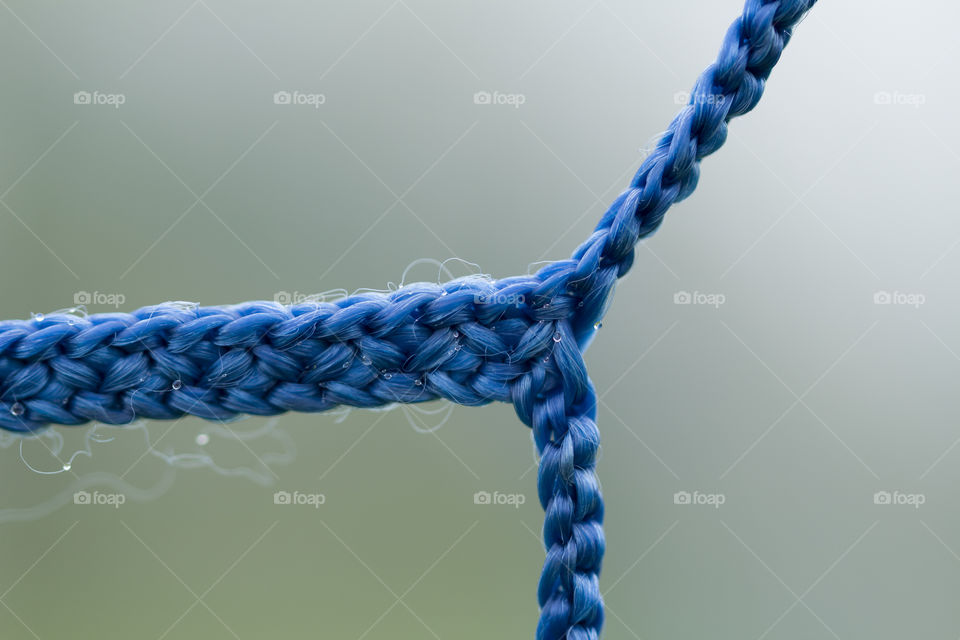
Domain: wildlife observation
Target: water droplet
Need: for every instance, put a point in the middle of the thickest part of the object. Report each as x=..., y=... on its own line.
x=597, y=326
x=418, y=382
x=366, y=359
x=38, y=317
x=346, y=365
x=456, y=334
x=457, y=347
x=546, y=360
x=557, y=337
x=66, y=466
x=176, y=385
x=386, y=374
x=202, y=439
x=17, y=409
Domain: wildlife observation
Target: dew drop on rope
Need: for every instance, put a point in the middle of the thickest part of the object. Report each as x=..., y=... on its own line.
x=177, y=384
x=66, y=466
x=365, y=359
x=557, y=337
x=17, y=409
x=202, y=439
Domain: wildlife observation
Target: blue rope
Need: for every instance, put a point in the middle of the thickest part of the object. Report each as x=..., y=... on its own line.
x=471, y=340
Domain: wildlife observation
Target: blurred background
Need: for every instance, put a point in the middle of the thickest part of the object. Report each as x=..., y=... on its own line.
x=778, y=373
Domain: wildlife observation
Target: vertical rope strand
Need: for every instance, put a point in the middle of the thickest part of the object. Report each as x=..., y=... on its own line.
x=558, y=401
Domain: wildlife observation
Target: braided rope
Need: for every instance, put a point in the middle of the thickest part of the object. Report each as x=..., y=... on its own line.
x=471, y=340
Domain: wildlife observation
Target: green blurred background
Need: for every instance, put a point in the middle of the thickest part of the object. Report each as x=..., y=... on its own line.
x=796, y=400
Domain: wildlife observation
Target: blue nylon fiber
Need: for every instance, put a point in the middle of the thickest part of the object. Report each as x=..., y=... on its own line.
x=471, y=340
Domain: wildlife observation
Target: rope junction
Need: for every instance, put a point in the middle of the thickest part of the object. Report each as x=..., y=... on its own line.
x=472, y=340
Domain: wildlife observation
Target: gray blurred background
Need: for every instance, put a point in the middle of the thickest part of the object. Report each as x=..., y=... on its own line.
x=805, y=400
